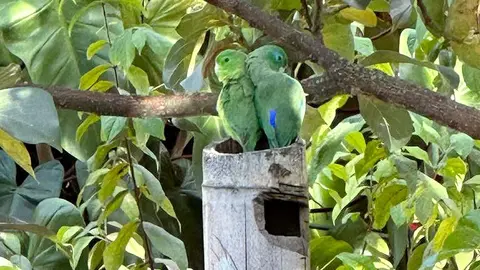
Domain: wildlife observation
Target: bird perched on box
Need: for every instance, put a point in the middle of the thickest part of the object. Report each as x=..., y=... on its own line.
x=235, y=103
x=279, y=99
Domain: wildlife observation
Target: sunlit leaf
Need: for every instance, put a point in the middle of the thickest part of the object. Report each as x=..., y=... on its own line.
x=17, y=151
x=114, y=252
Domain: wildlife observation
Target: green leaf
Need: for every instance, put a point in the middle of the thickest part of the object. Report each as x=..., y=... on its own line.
x=338, y=37
x=394, y=193
x=321, y=256
x=366, y=17
x=122, y=51
x=102, y=86
x=115, y=251
x=40, y=36
x=379, y=5
x=148, y=126
x=9, y=244
x=29, y=114
x=111, y=127
x=328, y=109
x=360, y=4
x=167, y=244
x=53, y=214
x=401, y=12
x=21, y=201
x=364, y=46
x=17, y=151
x=112, y=206
x=111, y=179
x=433, y=14
x=95, y=47
x=96, y=254
x=415, y=261
x=462, y=144
x=311, y=121
x=383, y=56
x=158, y=43
x=418, y=153
x=373, y=153
x=447, y=226
x=375, y=242
x=79, y=246
x=165, y=15
x=139, y=80
x=391, y=124
x=90, y=120
x=355, y=139
x=90, y=78
x=357, y=261
x=10, y=75
x=21, y=262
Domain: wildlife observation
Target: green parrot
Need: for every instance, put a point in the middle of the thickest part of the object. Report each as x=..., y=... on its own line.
x=235, y=103
x=279, y=99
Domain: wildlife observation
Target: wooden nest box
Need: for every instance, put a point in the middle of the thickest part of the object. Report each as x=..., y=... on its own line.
x=255, y=209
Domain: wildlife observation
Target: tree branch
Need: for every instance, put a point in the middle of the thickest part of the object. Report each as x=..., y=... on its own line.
x=318, y=88
x=357, y=79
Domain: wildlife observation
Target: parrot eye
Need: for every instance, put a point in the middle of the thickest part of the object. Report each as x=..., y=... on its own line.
x=226, y=60
x=279, y=58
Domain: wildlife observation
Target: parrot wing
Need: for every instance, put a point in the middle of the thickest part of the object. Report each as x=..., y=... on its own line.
x=281, y=105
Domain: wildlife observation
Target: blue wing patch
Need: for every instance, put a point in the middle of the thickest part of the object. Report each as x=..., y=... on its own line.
x=273, y=116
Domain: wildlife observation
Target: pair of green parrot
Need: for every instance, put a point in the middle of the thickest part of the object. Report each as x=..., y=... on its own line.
x=257, y=95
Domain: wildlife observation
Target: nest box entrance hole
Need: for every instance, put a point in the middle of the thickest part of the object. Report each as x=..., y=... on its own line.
x=282, y=217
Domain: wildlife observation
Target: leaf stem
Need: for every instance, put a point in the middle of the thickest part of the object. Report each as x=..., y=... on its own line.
x=130, y=159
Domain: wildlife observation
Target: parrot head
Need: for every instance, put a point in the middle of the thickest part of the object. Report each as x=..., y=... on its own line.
x=272, y=55
x=230, y=65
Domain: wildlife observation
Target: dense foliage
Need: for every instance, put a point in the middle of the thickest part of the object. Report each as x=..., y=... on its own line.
x=390, y=189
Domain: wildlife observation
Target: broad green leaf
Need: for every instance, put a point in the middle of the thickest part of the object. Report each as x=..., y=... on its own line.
x=20, y=201
x=171, y=265
x=391, y=124
x=95, y=256
x=339, y=171
x=90, y=120
x=139, y=80
x=418, y=153
x=112, y=205
x=40, y=36
x=383, y=56
x=9, y=244
x=433, y=14
x=96, y=161
x=447, y=226
x=338, y=37
x=158, y=43
x=165, y=15
x=122, y=52
x=326, y=150
x=91, y=77
x=384, y=199
x=373, y=153
x=167, y=244
x=29, y=115
x=53, y=214
x=415, y=261
x=379, y=5
x=364, y=46
x=154, y=191
x=357, y=261
x=366, y=17
x=102, y=86
x=398, y=240
x=10, y=75
x=311, y=121
x=376, y=242
x=17, y=151
x=114, y=252
x=360, y=4
x=462, y=144
x=148, y=126
x=111, y=179
x=355, y=139
x=95, y=47
x=79, y=246
x=21, y=262
x=111, y=127
x=328, y=109
x=321, y=256
x=401, y=12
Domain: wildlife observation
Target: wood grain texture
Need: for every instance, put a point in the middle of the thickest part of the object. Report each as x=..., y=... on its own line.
x=235, y=191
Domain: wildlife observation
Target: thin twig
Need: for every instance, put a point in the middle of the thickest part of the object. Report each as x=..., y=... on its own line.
x=130, y=163
x=307, y=14
x=382, y=33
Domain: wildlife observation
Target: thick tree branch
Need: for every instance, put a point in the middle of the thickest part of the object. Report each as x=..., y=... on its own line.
x=356, y=79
